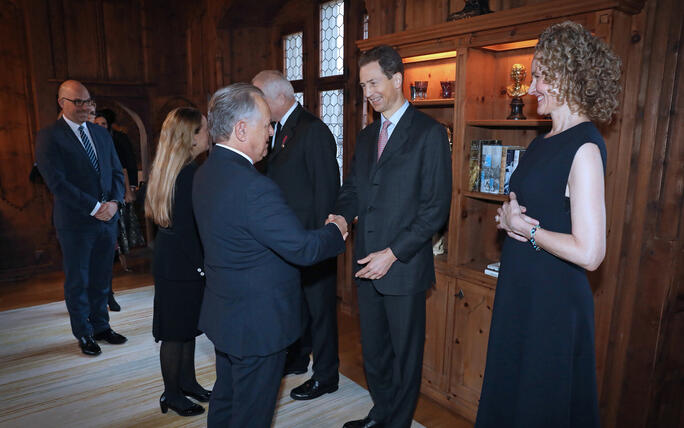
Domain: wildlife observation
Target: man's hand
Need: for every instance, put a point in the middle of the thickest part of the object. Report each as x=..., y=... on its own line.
x=340, y=222
x=378, y=263
x=107, y=211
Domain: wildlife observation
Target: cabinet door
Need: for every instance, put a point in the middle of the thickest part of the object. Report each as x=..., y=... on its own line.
x=434, y=367
x=472, y=317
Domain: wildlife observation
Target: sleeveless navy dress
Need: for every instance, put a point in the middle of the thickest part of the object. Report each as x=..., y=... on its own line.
x=541, y=369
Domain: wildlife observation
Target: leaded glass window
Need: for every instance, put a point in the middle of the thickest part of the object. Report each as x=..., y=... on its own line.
x=299, y=96
x=293, y=56
x=332, y=114
x=332, y=38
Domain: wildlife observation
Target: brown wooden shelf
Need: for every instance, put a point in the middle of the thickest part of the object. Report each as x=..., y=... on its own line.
x=435, y=102
x=528, y=123
x=474, y=272
x=486, y=196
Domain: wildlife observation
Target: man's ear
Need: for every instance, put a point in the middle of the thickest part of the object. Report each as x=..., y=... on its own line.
x=240, y=130
x=397, y=80
x=60, y=103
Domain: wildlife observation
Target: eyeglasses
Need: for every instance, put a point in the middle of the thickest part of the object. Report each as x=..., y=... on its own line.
x=78, y=102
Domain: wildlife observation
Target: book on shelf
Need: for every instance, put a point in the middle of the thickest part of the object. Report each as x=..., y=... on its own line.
x=490, y=169
x=474, y=166
x=475, y=163
x=510, y=156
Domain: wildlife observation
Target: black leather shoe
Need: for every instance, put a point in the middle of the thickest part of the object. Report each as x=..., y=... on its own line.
x=366, y=422
x=111, y=337
x=113, y=305
x=88, y=345
x=312, y=389
x=192, y=410
x=202, y=396
x=296, y=366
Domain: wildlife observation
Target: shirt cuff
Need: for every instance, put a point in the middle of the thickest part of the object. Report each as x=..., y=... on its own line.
x=97, y=207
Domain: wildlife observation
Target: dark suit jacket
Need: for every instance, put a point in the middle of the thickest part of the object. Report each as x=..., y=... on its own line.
x=252, y=300
x=124, y=149
x=72, y=179
x=306, y=168
x=402, y=200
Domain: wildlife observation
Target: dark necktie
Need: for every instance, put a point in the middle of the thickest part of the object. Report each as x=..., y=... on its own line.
x=382, y=139
x=90, y=150
x=277, y=144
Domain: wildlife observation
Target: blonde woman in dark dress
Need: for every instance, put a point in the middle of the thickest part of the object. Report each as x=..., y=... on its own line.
x=178, y=261
x=541, y=368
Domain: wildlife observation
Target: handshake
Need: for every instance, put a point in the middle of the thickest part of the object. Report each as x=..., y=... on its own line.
x=341, y=224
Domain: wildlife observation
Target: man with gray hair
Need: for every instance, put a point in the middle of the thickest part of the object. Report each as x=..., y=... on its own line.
x=303, y=163
x=251, y=309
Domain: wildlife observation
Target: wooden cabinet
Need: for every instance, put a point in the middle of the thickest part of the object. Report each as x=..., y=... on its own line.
x=479, y=53
x=472, y=313
x=435, y=361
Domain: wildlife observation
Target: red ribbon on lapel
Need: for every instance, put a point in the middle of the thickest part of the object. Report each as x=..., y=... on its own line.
x=282, y=145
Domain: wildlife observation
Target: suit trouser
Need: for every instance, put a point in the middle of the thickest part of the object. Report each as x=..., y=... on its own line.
x=87, y=257
x=319, y=286
x=246, y=390
x=392, y=340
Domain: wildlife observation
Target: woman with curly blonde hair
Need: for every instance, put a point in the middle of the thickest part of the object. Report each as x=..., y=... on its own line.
x=541, y=369
x=178, y=261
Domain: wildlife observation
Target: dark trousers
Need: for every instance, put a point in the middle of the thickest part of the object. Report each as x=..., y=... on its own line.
x=392, y=339
x=87, y=258
x=319, y=286
x=246, y=390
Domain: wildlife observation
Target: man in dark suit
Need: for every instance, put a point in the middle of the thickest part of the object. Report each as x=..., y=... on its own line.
x=80, y=167
x=399, y=187
x=303, y=163
x=251, y=309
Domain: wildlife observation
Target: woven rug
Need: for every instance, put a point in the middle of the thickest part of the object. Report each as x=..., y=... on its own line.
x=46, y=381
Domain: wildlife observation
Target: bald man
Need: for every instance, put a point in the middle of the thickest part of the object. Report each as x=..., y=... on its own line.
x=80, y=167
x=303, y=162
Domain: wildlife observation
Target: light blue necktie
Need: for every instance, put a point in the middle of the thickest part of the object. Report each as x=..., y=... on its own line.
x=89, y=148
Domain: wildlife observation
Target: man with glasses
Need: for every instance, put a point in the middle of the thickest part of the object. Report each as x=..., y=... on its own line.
x=80, y=167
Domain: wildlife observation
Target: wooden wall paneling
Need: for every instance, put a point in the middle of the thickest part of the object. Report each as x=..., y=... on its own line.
x=56, y=39
x=16, y=141
x=248, y=61
x=194, y=48
x=382, y=17
x=628, y=328
x=661, y=230
x=122, y=40
x=81, y=30
x=627, y=40
x=423, y=13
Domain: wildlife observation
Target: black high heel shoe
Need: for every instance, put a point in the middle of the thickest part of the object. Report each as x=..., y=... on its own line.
x=194, y=409
x=201, y=396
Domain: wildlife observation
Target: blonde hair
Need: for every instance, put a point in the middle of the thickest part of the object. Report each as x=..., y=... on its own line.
x=174, y=152
x=581, y=68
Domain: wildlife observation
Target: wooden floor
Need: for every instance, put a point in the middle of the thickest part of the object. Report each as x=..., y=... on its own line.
x=46, y=288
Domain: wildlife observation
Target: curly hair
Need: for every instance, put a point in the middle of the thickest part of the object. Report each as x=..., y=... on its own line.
x=581, y=68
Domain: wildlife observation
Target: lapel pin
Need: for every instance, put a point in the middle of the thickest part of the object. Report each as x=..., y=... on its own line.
x=282, y=145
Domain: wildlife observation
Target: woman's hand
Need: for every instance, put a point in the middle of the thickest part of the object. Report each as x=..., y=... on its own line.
x=511, y=218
